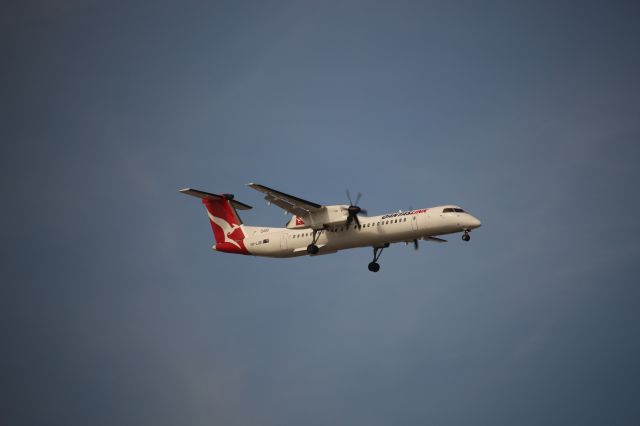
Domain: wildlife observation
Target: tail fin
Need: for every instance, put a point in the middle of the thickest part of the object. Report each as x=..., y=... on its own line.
x=225, y=222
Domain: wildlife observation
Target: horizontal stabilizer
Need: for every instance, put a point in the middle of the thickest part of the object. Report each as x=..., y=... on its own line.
x=205, y=195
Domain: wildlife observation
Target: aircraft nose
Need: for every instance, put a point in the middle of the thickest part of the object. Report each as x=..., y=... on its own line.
x=475, y=222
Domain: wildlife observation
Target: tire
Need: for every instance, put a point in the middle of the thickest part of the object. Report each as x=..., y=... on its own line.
x=312, y=249
x=374, y=267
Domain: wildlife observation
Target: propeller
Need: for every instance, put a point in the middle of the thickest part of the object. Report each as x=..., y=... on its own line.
x=353, y=210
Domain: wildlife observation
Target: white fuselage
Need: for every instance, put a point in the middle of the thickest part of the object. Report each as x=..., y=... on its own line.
x=375, y=231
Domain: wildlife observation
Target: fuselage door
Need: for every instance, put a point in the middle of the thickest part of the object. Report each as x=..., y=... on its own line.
x=283, y=240
x=414, y=222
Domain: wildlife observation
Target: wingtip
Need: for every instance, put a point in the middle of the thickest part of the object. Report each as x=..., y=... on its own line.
x=183, y=190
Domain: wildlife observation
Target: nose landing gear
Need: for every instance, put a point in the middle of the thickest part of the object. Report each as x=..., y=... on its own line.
x=374, y=266
x=466, y=236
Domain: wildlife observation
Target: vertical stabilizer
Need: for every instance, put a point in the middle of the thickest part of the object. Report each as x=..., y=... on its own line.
x=223, y=217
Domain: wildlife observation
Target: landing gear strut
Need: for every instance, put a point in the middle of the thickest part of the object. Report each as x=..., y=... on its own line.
x=466, y=236
x=313, y=248
x=374, y=266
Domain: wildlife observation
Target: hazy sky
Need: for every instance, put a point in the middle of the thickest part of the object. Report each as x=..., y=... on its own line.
x=114, y=310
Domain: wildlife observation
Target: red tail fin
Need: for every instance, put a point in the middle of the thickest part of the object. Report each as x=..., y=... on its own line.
x=225, y=222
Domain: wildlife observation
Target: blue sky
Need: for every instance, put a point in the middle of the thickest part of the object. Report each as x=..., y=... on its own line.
x=116, y=311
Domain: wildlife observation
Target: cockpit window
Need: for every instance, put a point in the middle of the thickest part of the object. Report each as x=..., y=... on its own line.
x=452, y=210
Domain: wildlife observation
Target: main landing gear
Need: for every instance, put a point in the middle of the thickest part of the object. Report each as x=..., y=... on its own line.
x=374, y=266
x=313, y=248
x=466, y=236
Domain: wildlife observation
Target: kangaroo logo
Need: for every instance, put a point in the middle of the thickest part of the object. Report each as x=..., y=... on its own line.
x=227, y=229
x=299, y=221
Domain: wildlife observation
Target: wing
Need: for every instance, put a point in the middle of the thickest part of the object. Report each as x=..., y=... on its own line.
x=435, y=239
x=293, y=205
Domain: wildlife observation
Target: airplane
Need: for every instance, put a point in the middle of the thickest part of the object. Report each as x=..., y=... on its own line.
x=316, y=229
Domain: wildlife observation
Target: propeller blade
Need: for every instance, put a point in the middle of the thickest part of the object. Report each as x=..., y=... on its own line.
x=353, y=210
x=349, y=220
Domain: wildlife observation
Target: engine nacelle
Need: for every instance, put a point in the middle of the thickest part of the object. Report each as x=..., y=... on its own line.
x=328, y=215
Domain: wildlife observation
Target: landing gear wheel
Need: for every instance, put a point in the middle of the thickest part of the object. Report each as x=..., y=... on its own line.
x=374, y=266
x=312, y=249
x=466, y=236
